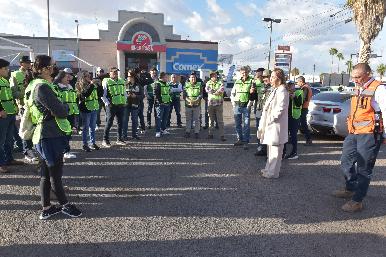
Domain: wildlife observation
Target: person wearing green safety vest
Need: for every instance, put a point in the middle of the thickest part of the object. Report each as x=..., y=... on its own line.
x=162, y=100
x=240, y=96
x=215, y=89
x=88, y=106
x=149, y=92
x=176, y=90
x=192, y=96
x=134, y=97
x=68, y=96
x=296, y=100
x=115, y=100
x=48, y=113
x=8, y=111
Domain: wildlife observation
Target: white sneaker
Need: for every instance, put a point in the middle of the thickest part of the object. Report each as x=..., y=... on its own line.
x=158, y=134
x=80, y=132
x=106, y=144
x=165, y=132
x=69, y=156
x=30, y=157
x=96, y=128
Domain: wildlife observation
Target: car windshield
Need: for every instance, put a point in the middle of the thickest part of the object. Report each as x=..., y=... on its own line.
x=332, y=97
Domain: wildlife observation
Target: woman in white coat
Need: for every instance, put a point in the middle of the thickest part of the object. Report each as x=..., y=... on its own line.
x=273, y=127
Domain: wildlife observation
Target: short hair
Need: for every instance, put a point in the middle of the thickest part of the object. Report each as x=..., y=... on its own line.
x=162, y=74
x=154, y=69
x=245, y=68
x=4, y=63
x=362, y=66
x=301, y=78
x=280, y=75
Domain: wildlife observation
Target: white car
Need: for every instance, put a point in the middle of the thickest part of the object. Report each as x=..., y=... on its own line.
x=328, y=112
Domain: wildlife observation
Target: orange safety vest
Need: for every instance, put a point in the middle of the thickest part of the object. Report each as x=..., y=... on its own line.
x=308, y=96
x=363, y=119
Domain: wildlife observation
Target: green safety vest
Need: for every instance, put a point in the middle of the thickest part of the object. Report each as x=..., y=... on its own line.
x=6, y=98
x=214, y=86
x=259, y=86
x=297, y=110
x=165, y=92
x=116, y=89
x=92, y=103
x=175, y=94
x=37, y=116
x=242, y=90
x=68, y=96
x=192, y=91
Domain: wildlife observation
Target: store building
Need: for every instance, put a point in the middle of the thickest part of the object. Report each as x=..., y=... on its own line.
x=137, y=39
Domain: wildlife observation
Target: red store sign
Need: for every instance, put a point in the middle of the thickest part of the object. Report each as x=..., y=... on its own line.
x=142, y=42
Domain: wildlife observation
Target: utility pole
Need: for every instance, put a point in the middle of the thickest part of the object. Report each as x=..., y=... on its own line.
x=49, y=29
x=77, y=41
x=270, y=20
x=313, y=75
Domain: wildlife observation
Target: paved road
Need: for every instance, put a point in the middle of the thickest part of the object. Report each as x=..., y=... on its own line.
x=178, y=197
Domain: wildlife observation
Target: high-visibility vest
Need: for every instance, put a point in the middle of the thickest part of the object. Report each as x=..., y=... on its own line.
x=19, y=76
x=297, y=110
x=37, y=116
x=363, y=119
x=116, y=89
x=214, y=86
x=242, y=90
x=6, y=98
x=175, y=95
x=91, y=102
x=192, y=93
x=68, y=96
x=165, y=92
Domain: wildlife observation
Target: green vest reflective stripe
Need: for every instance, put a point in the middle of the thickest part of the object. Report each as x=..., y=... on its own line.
x=214, y=86
x=242, y=90
x=192, y=92
x=36, y=116
x=116, y=89
x=175, y=94
x=6, y=97
x=165, y=92
x=92, y=103
x=297, y=110
x=68, y=96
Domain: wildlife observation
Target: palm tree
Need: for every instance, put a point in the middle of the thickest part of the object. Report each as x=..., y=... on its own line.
x=381, y=69
x=349, y=66
x=340, y=57
x=368, y=16
x=295, y=71
x=332, y=51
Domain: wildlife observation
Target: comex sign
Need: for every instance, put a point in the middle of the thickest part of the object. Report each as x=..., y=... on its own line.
x=187, y=67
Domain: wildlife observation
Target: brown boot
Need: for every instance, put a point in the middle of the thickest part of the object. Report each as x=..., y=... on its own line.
x=4, y=170
x=343, y=193
x=352, y=206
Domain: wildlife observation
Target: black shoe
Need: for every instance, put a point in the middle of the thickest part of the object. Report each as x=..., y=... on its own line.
x=86, y=148
x=246, y=146
x=179, y=126
x=308, y=143
x=50, y=212
x=196, y=136
x=95, y=147
x=291, y=156
x=205, y=127
x=222, y=138
x=148, y=126
x=71, y=210
x=238, y=143
x=210, y=137
x=187, y=135
x=137, y=137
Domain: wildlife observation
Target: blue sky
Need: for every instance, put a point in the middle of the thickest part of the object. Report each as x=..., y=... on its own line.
x=306, y=25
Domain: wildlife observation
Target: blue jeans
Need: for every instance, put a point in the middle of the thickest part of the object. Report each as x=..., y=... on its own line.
x=134, y=121
x=51, y=150
x=242, y=121
x=361, y=150
x=303, y=124
x=150, y=106
x=162, y=115
x=176, y=104
x=89, y=124
x=7, y=126
x=17, y=138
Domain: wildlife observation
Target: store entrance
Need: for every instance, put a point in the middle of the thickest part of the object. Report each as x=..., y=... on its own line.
x=140, y=60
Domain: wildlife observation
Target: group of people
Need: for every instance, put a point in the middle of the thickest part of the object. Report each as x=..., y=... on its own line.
x=53, y=104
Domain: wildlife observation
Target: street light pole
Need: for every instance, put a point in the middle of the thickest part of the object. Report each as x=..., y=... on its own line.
x=270, y=20
x=48, y=28
x=77, y=41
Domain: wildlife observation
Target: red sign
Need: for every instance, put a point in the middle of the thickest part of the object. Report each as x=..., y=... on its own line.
x=284, y=48
x=141, y=41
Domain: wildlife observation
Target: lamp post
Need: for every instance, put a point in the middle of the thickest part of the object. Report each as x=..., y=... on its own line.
x=77, y=41
x=48, y=28
x=270, y=35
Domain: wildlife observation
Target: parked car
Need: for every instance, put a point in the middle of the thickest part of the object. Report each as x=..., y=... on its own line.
x=341, y=88
x=318, y=86
x=328, y=112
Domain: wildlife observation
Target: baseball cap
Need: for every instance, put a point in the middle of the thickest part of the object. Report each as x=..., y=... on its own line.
x=25, y=59
x=68, y=71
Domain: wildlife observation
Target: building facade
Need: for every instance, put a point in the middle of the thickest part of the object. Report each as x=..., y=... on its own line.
x=136, y=39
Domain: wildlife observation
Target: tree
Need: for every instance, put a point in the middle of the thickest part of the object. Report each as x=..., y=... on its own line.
x=295, y=72
x=381, y=69
x=349, y=66
x=332, y=51
x=340, y=57
x=368, y=16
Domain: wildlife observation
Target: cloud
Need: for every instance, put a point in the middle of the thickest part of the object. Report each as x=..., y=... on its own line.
x=221, y=16
x=248, y=10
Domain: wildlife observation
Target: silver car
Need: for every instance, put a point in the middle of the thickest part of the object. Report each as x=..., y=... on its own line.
x=328, y=112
